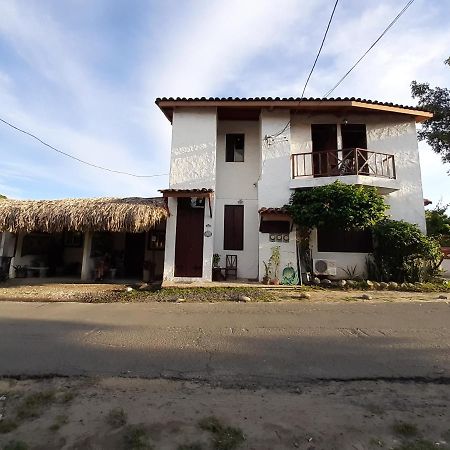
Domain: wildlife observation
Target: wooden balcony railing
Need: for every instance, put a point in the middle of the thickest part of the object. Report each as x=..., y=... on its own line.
x=348, y=161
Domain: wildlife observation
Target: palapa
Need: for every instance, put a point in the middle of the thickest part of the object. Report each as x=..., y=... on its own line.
x=133, y=215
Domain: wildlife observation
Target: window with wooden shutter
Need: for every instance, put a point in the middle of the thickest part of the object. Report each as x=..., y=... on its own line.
x=233, y=227
x=345, y=241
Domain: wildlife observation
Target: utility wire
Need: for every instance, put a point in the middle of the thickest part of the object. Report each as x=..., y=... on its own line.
x=312, y=68
x=78, y=159
x=408, y=4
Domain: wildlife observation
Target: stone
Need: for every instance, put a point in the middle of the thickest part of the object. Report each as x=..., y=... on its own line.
x=316, y=280
x=129, y=289
x=181, y=300
x=369, y=284
x=384, y=285
x=351, y=283
x=326, y=282
x=442, y=297
x=393, y=285
x=342, y=283
x=366, y=297
x=244, y=298
x=376, y=285
x=305, y=295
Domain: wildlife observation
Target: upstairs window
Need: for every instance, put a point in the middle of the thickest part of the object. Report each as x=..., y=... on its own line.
x=234, y=147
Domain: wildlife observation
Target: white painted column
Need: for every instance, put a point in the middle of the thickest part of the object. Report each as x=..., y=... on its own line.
x=85, y=265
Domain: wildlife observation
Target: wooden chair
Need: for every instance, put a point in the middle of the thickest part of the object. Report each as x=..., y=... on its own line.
x=231, y=266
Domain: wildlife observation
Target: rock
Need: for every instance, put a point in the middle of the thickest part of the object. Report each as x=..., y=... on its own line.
x=326, y=282
x=316, y=280
x=376, y=285
x=393, y=285
x=351, y=283
x=442, y=297
x=181, y=300
x=369, y=284
x=130, y=289
x=366, y=297
x=384, y=285
x=342, y=283
x=244, y=298
x=305, y=295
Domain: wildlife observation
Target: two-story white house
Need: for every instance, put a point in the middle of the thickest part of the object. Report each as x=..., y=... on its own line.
x=236, y=161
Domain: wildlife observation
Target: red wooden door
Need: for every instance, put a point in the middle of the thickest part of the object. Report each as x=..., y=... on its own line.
x=189, y=240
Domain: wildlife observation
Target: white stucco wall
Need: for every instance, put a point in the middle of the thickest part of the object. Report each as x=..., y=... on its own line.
x=192, y=166
x=273, y=185
x=193, y=155
x=236, y=184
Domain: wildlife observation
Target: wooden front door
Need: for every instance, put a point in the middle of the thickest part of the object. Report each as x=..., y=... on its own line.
x=189, y=240
x=134, y=255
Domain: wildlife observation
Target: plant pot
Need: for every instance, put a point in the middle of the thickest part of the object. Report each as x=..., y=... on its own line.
x=275, y=281
x=266, y=280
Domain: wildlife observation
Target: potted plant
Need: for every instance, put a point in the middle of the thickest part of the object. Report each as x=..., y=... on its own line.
x=275, y=263
x=216, y=270
x=267, y=268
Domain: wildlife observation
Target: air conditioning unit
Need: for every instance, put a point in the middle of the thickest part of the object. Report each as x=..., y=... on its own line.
x=324, y=267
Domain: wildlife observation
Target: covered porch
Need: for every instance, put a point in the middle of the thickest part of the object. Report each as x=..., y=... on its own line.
x=84, y=239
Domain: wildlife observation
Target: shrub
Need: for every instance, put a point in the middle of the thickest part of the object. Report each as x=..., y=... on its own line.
x=403, y=253
x=338, y=205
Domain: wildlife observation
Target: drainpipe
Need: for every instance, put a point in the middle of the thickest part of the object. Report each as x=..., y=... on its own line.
x=86, y=262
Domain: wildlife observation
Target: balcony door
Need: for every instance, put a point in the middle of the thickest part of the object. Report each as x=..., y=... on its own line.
x=354, y=136
x=324, y=147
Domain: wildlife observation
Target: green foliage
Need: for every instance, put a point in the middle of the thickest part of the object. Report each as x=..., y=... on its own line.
x=116, y=418
x=224, y=437
x=136, y=438
x=274, y=260
x=403, y=253
x=438, y=223
x=435, y=131
x=3, y=197
x=34, y=404
x=339, y=205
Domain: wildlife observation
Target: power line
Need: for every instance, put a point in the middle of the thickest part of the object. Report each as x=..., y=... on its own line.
x=320, y=49
x=78, y=159
x=312, y=68
x=408, y=4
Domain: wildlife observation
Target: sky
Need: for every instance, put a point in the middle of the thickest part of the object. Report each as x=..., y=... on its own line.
x=83, y=75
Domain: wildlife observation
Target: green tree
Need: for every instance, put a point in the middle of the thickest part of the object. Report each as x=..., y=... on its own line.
x=2, y=197
x=438, y=223
x=340, y=205
x=435, y=131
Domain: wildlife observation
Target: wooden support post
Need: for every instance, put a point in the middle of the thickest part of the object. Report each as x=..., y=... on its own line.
x=85, y=265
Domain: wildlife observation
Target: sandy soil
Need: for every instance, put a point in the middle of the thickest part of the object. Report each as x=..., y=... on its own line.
x=36, y=290
x=333, y=415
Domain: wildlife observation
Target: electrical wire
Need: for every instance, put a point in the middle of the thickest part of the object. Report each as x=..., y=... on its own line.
x=78, y=159
x=312, y=68
x=408, y=4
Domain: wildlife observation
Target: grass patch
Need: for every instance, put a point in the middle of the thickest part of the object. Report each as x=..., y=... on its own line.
x=66, y=397
x=136, y=438
x=16, y=445
x=7, y=426
x=59, y=422
x=116, y=418
x=405, y=429
x=224, y=437
x=419, y=445
x=377, y=443
x=33, y=405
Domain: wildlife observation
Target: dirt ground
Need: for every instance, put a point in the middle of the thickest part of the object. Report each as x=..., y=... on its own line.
x=36, y=290
x=76, y=414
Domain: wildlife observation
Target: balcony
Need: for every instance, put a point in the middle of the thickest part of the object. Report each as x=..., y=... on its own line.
x=351, y=165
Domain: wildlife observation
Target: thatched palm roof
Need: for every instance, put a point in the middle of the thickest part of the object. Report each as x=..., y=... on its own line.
x=132, y=215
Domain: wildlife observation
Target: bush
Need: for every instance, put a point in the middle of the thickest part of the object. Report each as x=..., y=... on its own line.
x=403, y=253
x=338, y=205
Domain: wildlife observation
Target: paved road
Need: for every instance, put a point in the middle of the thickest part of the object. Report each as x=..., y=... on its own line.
x=227, y=342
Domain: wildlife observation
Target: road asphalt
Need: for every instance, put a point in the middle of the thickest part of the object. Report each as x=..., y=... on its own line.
x=228, y=343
